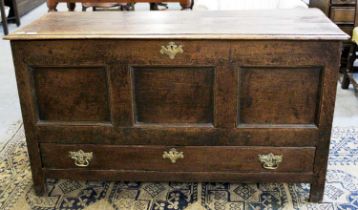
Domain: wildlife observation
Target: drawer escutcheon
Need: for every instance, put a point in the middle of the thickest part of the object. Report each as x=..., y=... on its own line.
x=270, y=161
x=173, y=155
x=82, y=159
x=171, y=50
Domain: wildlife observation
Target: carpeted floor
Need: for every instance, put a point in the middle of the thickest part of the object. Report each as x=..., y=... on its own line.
x=16, y=191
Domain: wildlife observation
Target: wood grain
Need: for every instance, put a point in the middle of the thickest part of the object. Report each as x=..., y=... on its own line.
x=263, y=102
x=173, y=95
x=72, y=93
x=142, y=104
x=307, y=24
x=196, y=159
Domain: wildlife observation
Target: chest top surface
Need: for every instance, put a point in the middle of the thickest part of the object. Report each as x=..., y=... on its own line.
x=301, y=24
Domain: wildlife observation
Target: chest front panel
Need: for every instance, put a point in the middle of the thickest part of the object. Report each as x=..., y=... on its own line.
x=209, y=93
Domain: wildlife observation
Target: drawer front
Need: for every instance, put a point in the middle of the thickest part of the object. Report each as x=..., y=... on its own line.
x=343, y=1
x=348, y=29
x=139, y=52
x=185, y=159
x=343, y=14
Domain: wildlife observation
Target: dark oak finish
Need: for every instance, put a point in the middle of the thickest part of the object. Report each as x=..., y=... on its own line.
x=255, y=84
x=173, y=95
x=196, y=159
x=286, y=105
x=89, y=103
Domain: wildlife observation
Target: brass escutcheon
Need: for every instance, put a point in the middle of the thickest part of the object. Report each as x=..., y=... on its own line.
x=173, y=155
x=82, y=159
x=171, y=50
x=270, y=161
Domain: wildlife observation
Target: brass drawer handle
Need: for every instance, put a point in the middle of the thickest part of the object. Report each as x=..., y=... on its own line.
x=82, y=159
x=270, y=161
x=171, y=50
x=173, y=155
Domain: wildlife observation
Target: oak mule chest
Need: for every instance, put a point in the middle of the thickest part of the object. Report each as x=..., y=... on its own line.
x=179, y=96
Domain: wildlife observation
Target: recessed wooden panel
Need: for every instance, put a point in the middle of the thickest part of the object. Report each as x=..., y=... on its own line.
x=278, y=95
x=173, y=94
x=71, y=93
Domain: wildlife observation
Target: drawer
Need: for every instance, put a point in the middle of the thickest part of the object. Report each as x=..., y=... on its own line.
x=140, y=52
x=178, y=159
x=348, y=29
x=343, y=1
x=343, y=14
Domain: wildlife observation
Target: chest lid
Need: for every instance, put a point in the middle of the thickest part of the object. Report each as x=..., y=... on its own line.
x=291, y=24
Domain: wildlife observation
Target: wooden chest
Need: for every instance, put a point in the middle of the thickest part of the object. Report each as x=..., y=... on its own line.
x=179, y=96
